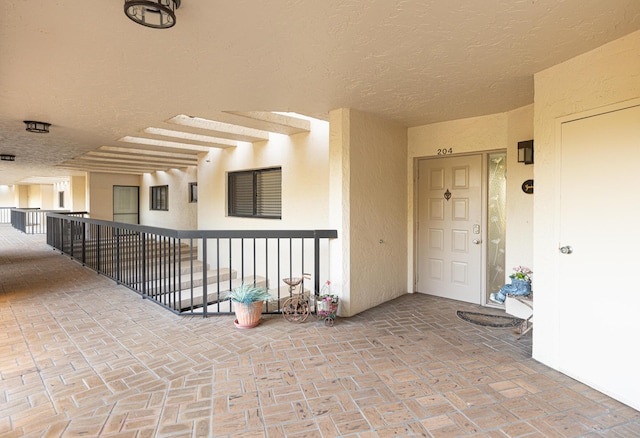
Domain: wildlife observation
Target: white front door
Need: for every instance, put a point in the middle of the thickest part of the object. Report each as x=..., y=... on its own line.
x=598, y=288
x=449, y=255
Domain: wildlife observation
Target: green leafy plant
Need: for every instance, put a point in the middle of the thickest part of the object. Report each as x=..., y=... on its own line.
x=247, y=294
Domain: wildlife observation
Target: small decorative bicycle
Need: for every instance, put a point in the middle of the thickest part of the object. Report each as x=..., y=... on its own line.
x=296, y=308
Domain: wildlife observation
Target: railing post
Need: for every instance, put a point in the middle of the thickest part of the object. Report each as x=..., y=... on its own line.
x=61, y=228
x=205, y=300
x=316, y=262
x=118, y=267
x=84, y=243
x=98, y=248
x=72, y=242
x=144, y=265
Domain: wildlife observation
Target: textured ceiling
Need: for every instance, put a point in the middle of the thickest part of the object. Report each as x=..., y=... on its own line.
x=97, y=76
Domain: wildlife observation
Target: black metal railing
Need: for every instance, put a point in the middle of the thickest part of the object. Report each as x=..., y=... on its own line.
x=28, y=220
x=192, y=271
x=34, y=220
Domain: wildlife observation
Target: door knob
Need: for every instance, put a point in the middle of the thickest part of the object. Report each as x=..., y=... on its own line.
x=566, y=249
x=477, y=241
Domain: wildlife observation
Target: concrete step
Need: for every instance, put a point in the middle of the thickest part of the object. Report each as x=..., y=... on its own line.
x=189, y=299
x=188, y=282
x=275, y=304
x=131, y=252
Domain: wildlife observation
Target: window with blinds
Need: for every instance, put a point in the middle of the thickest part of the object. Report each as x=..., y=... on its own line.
x=159, y=198
x=256, y=193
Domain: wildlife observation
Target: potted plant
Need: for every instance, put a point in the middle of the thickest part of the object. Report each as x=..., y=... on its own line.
x=520, y=285
x=247, y=304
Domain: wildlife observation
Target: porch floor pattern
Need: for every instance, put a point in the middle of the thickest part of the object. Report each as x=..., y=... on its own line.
x=82, y=356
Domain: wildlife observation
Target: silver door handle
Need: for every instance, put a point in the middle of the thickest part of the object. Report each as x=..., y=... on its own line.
x=566, y=249
x=477, y=241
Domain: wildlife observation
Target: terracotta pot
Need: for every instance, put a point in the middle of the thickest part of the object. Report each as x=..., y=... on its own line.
x=248, y=316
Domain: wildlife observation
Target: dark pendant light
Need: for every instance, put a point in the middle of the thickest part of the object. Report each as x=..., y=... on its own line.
x=158, y=14
x=38, y=127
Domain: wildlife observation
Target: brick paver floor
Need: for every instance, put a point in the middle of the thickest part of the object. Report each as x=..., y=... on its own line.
x=82, y=356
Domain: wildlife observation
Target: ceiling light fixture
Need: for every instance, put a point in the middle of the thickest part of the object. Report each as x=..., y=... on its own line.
x=158, y=14
x=39, y=127
x=7, y=157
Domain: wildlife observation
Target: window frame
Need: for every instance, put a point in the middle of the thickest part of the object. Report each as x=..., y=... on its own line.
x=61, y=199
x=159, y=201
x=260, y=201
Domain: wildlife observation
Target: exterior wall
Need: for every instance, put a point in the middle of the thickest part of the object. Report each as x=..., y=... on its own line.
x=21, y=196
x=182, y=214
x=370, y=197
x=33, y=196
x=519, y=250
x=40, y=196
x=480, y=134
x=101, y=192
x=78, y=196
x=304, y=161
x=604, y=76
x=305, y=176
x=68, y=200
x=7, y=196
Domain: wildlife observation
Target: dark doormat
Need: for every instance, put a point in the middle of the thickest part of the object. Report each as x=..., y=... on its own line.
x=489, y=320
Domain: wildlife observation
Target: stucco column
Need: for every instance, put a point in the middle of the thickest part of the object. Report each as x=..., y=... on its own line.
x=339, y=206
x=368, y=207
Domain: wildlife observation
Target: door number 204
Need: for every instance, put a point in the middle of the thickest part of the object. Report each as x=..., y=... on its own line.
x=445, y=151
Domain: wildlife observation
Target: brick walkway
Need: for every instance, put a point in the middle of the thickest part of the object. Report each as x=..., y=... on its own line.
x=81, y=356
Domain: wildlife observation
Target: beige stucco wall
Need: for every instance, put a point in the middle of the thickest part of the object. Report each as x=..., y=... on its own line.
x=182, y=214
x=604, y=76
x=368, y=202
x=7, y=196
x=304, y=161
x=519, y=249
x=78, y=195
x=68, y=200
x=34, y=199
x=21, y=196
x=40, y=196
x=305, y=174
x=101, y=192
x=473, y=135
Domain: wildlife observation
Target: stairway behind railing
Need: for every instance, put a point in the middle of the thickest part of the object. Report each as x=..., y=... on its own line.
x=192, y=271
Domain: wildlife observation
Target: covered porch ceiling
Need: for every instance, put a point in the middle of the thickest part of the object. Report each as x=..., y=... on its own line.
x=124, y=98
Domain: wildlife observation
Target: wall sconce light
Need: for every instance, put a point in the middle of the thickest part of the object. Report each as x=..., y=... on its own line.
x=158, y=14
x=525, y=152
x=7, y=157
x=39, y=127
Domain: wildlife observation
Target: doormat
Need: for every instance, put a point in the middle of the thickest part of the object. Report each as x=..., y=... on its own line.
x=486, y=320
